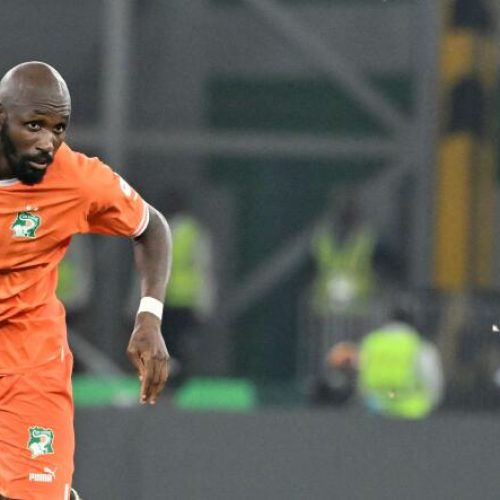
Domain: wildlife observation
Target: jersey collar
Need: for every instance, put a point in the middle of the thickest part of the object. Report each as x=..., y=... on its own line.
x=9, y=182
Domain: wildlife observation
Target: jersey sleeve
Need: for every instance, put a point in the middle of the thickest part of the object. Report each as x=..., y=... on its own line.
x=114, y=208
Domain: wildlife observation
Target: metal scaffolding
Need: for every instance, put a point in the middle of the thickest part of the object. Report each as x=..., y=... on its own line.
x=409, y=147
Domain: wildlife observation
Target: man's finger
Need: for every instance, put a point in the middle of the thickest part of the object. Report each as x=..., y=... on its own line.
x=163, y=376
x=147, y=379
x=134, y=358
x=159, y=379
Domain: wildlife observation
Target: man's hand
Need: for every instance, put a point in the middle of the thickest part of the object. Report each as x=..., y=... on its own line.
x=148, y=353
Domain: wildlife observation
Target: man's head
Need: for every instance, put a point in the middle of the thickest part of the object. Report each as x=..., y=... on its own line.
x=343, y=356
x=35, y=108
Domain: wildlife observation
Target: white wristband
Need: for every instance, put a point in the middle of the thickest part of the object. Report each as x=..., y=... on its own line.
x=151, y=305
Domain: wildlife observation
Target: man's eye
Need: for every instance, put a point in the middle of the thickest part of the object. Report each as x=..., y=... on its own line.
x=59, y=129
x=33, y=126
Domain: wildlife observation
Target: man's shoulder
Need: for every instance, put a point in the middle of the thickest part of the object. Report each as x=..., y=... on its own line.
x=74, y=166
x=67, y=157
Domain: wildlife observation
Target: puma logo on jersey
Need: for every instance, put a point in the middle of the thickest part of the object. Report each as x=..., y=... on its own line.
x=47, y=476
x=40, y=477
x=25, y=225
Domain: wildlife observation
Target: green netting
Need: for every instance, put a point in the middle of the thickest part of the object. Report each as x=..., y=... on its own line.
x=103, y=391
x=216, y=394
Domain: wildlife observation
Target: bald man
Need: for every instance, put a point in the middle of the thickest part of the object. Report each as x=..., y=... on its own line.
x=48, y=193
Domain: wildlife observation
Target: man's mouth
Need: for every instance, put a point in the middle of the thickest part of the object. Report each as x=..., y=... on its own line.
x=39, y=165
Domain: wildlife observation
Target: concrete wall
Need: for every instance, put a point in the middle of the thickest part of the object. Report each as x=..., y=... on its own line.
x=159, y=454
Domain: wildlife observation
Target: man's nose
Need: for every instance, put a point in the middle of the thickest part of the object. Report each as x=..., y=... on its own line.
x=46, y=142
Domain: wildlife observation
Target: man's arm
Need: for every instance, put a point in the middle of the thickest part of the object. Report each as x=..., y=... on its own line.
x=146, y=349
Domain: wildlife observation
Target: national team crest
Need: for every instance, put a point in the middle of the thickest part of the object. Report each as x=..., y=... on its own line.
x=41, y=441
x=25, y=225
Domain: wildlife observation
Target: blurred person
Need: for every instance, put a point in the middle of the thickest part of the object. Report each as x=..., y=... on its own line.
x=50, y=193
x=190, y=296
x=394, y=370
x=350, y=259
x=74, y=285
x=352, y=269
x=74, y=289
x=343, y=247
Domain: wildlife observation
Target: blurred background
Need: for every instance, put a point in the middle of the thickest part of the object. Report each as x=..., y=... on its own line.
x=322, y=163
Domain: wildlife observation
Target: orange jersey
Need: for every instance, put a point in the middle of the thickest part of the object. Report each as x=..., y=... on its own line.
x=77, y=195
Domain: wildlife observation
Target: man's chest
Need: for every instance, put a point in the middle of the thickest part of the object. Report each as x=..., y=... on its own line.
x=33, y=224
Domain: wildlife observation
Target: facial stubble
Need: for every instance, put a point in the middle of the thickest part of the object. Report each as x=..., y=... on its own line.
x=19, y=164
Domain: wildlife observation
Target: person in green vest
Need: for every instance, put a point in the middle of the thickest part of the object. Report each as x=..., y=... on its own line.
x=190, y=295
x=394, y=370
x=352, y=263
x=343, y=250
x=75, y=279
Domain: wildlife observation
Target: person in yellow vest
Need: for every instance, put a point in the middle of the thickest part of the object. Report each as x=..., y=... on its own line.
x=191, y=285
x=394, y=370
x=351, y=262
x=75, y=277
x=190, y=296
x=343, y=249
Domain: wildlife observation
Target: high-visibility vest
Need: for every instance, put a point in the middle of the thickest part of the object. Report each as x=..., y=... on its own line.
x=388, y=378
x=75, y=275
x=186, y=276
x=66, y=282
x=344, y=269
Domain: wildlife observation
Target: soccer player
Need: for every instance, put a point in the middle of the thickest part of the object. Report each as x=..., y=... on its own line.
x=47, y=194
